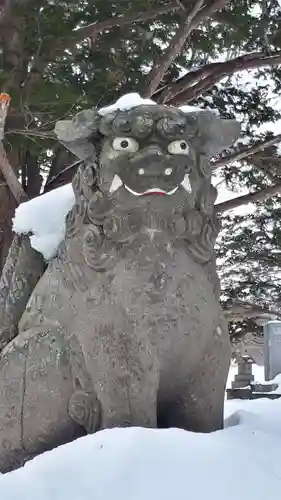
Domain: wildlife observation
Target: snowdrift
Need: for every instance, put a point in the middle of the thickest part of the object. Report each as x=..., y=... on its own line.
x=242, y=461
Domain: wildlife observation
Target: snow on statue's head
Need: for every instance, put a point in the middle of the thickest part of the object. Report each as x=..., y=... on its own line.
x=146, y=149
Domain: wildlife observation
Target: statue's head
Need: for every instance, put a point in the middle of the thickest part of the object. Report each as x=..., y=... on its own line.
x=148, y=150
x=150, y=160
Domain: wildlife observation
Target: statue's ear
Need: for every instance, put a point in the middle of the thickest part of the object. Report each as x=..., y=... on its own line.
x=77, y=134
x=216, y=134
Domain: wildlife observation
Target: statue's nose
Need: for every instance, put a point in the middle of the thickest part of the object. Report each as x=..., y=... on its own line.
x=153, y=161
x=153, y=150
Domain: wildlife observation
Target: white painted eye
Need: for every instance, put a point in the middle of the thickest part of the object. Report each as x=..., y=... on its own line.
x=127, y=144
x=178, y=148
x=168, y=171
x=141, y=171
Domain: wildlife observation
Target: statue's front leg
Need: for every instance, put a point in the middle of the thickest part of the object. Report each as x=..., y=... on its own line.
x=38, y=397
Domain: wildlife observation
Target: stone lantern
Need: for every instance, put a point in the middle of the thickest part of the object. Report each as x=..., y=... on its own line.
x=245, y=375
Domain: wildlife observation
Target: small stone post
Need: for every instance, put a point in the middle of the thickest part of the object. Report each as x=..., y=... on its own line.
x=272, y=349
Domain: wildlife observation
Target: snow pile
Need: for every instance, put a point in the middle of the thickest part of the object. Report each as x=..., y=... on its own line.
x=132, y=100
x=190, y=109
x=44, y=217
x=241, y=461
x=126, y=102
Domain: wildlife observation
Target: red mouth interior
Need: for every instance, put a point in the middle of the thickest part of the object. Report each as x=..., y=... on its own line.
x=154, y=192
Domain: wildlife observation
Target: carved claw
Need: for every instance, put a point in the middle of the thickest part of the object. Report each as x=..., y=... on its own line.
x=85, y=409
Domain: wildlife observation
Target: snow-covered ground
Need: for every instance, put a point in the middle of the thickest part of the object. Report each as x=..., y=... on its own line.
x=240, y=462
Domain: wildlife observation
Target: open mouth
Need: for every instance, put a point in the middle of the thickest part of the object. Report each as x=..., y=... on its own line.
x=117, y=183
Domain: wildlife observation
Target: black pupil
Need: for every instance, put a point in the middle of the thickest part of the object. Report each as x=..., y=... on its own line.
x=124, y=144
x=183, y=145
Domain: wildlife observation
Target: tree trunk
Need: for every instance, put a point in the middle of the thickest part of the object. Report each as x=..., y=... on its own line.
x=8, y=205
x=61, y=161
x=34, y=178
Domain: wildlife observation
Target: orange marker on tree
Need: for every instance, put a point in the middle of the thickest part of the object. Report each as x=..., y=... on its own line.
x=4, y=104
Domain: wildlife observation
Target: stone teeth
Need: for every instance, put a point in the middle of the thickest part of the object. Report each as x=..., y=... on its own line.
x=186, y=184
x=152, y=190
x=173, y=191
x=116, y=184
x=132, y=192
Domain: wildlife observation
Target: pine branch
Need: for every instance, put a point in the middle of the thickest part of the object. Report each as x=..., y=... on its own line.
x=245, y=152
x=257, y=162
x=92, y=31
x=194, y=83
x=196, y=16
x=257, y=196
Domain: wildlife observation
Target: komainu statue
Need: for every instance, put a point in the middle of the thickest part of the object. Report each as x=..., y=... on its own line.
x=124, y=327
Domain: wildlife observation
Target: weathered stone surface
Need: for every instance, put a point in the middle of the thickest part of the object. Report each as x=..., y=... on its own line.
x=23, y=268
x=125, y=327
x=272, y=349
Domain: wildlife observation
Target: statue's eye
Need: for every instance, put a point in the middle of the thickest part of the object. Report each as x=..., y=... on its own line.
x=127, y=144
x=178, y=148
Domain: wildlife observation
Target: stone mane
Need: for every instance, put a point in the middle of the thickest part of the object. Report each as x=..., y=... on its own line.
x=105, y=222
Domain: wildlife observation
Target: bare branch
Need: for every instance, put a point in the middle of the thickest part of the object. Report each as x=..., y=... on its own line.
x=179, y=2
x=32, y=133
x=11, y=178
x=262, y=195
x=245, y=152
x=160, y=67
x=240, y=310
x=5, y=166
x=196, y=82
x=194, y=17
x=50, y=184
